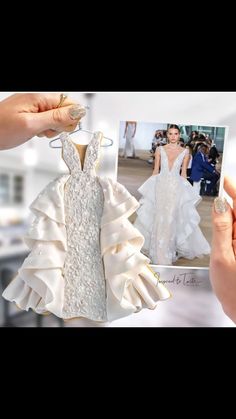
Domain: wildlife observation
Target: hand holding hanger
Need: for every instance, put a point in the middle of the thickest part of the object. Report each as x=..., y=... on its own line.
x=25, y=115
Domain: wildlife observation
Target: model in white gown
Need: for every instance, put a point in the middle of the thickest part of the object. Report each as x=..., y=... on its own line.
x=130, y=130
x=167, y=217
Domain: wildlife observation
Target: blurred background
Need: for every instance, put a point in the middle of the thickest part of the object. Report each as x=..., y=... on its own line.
x=27, y=169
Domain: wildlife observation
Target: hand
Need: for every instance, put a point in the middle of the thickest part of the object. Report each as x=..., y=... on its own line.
x=24, y=115
x=223, y=254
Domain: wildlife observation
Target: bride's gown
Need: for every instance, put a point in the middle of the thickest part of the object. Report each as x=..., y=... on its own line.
x=168, y=218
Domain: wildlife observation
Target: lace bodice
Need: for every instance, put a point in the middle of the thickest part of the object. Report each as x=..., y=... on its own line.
x=71, y=155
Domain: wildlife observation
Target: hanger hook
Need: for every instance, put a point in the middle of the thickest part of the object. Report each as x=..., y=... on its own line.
x=79, y=125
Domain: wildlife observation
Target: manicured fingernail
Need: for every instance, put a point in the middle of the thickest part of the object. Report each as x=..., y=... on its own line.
x=220, y=205
x=77, y=112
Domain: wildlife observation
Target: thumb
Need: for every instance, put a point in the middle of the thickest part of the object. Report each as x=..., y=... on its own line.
x=230, y=188
x=56, y=119
x=222, y=220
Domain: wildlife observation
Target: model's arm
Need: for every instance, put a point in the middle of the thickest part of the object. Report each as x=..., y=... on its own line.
x=185, y=165
x=157, y=162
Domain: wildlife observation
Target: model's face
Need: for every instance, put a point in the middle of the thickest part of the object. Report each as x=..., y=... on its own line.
x=173, y=135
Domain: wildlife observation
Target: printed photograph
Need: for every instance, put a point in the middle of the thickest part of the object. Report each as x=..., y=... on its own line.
x=175, y=172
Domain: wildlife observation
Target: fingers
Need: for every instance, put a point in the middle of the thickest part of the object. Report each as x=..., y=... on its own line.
x=230, y=188
x=52, y=133
x=234, y=238
x=222, y=220
x=71, y=127
x=56, y=120
x=47, y=101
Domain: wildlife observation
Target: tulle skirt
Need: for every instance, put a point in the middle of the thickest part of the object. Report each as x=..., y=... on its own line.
x=169, y=220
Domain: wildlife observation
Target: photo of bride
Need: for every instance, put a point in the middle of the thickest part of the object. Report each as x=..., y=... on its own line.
x=175, y=182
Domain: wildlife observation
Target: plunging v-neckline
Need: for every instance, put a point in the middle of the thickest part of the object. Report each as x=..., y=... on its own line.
x=81, y=167
x=83, y=150
x=170, y=169
x=73, y=159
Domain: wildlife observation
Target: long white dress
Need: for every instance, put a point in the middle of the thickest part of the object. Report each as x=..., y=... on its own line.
x=85, y=258
x=167, y=217
x=129, y=150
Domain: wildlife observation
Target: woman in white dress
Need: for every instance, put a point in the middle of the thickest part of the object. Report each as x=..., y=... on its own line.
x=129, y=134
x=167, y=216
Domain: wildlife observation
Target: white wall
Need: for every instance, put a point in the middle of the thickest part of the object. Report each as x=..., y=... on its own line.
x=108, y=109
x=144, y=134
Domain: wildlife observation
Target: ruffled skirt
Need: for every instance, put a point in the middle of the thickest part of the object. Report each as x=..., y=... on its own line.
x=169, y=221
x=130, y=283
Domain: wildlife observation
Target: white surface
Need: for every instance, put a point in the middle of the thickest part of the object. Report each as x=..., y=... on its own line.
x=193, y=304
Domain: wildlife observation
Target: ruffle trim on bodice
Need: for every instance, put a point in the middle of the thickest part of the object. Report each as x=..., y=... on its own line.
x=130, y=283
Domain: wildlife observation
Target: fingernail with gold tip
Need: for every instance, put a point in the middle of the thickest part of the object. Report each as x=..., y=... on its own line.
x=77, y=112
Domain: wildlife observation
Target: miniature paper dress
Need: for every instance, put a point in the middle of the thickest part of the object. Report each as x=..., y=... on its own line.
x=85, y=258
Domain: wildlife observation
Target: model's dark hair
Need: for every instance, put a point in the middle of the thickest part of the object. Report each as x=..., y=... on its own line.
x=174, y=126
